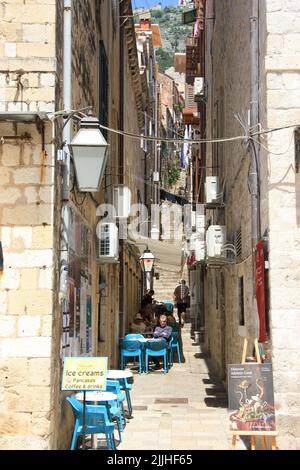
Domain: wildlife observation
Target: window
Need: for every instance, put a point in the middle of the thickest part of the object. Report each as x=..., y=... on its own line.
x=103, y=89
x=241, y=302
x=297, y=150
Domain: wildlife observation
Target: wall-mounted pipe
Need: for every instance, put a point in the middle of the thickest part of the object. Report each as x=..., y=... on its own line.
x=67, y=98
x=254, y=120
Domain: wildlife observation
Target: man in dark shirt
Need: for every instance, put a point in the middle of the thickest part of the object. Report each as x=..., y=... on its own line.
x=148, y=298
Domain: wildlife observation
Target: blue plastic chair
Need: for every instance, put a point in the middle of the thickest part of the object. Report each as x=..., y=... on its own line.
x=156, y=349
x=175, y=345
x=131, y=348
x=96, y=422
x=133, y=336
x=126, y=387
x=169, y=305
x=115, y=387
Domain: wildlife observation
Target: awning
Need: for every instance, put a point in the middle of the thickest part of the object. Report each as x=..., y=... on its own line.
x=167, y=196
x=169, y=256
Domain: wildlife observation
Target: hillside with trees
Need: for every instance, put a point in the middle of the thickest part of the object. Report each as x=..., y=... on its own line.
x=173, y=33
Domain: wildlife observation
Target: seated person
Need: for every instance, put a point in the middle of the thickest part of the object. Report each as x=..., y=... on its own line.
x=148, y=315
x=163, y=332
x=171, y=321
x=138, y=325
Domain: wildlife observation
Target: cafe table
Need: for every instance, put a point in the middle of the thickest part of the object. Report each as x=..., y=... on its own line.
x=96, y=397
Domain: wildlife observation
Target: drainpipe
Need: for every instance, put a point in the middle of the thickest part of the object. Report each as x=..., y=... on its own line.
x=254, y=119
x=122, y=279
x=156, y=135
x=67, y=98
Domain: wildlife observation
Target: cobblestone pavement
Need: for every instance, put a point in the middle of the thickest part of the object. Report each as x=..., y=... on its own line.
x=184, y=409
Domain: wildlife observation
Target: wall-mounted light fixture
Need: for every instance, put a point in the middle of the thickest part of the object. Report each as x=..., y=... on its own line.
x=147, y=261
x=89, y=151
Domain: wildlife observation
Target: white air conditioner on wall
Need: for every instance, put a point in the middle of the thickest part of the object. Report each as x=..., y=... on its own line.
x=122, y=200
x=199, y=250
x=215, y=241
x=212, y=189
x=107, y=245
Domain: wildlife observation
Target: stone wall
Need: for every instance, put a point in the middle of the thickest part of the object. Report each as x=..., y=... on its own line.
x=282, y=69
x=229, y=76
x=229, y=93
x=27, y=83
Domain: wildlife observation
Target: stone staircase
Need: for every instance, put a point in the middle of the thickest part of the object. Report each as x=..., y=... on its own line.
x=168, y=280
x=165, y=285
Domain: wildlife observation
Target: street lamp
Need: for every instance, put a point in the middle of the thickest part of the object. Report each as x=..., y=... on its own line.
x=89, y=151
x=147, y=262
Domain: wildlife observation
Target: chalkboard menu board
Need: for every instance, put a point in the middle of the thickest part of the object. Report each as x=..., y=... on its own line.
x=251, y=397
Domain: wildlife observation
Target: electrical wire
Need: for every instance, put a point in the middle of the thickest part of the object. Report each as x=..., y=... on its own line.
x=182, y=141
x=199, y=141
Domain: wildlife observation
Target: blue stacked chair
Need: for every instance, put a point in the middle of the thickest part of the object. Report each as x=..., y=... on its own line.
x=156, y=349
x=133, y=349
x=126, y=387
x=174, y=344
x=169, y=305
x=96, y=422
x=115, y=387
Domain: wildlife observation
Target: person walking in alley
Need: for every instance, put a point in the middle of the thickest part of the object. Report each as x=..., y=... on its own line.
x=181, y=298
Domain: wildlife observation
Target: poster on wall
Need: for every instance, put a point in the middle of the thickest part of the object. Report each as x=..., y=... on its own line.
x=251, y=397
x=79, y=309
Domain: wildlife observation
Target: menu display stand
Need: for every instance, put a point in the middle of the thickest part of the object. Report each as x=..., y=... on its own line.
x=253, y=434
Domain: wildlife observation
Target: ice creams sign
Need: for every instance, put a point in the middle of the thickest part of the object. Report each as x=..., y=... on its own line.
x=84, y=373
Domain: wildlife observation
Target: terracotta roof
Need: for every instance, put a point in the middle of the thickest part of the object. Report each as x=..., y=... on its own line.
x=154, y=28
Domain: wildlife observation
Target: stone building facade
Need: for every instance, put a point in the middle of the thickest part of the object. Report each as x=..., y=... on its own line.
x=33, y=411
x=228, y=71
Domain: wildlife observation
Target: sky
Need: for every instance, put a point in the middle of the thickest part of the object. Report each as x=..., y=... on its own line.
x=150, y=3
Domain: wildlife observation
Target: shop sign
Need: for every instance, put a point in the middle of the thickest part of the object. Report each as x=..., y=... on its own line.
x=189, y=16
x=84, y=373
x=260, y=290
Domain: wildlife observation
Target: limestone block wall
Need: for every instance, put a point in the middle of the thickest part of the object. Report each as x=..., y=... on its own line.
x=282, y=68
x=228, y=74
x=26, y=288
x=27, y=83
x=229, y=69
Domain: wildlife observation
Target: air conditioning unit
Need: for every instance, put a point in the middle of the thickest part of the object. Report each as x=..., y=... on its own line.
x=215, y=241
x=192, y=242
x=200, y=89
x=200, y=219
x=200, y=250
x=122, y=200
x=107, y=246
x=212, y=189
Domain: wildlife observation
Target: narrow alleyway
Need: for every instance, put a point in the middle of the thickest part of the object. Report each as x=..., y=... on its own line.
x=184, y=409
